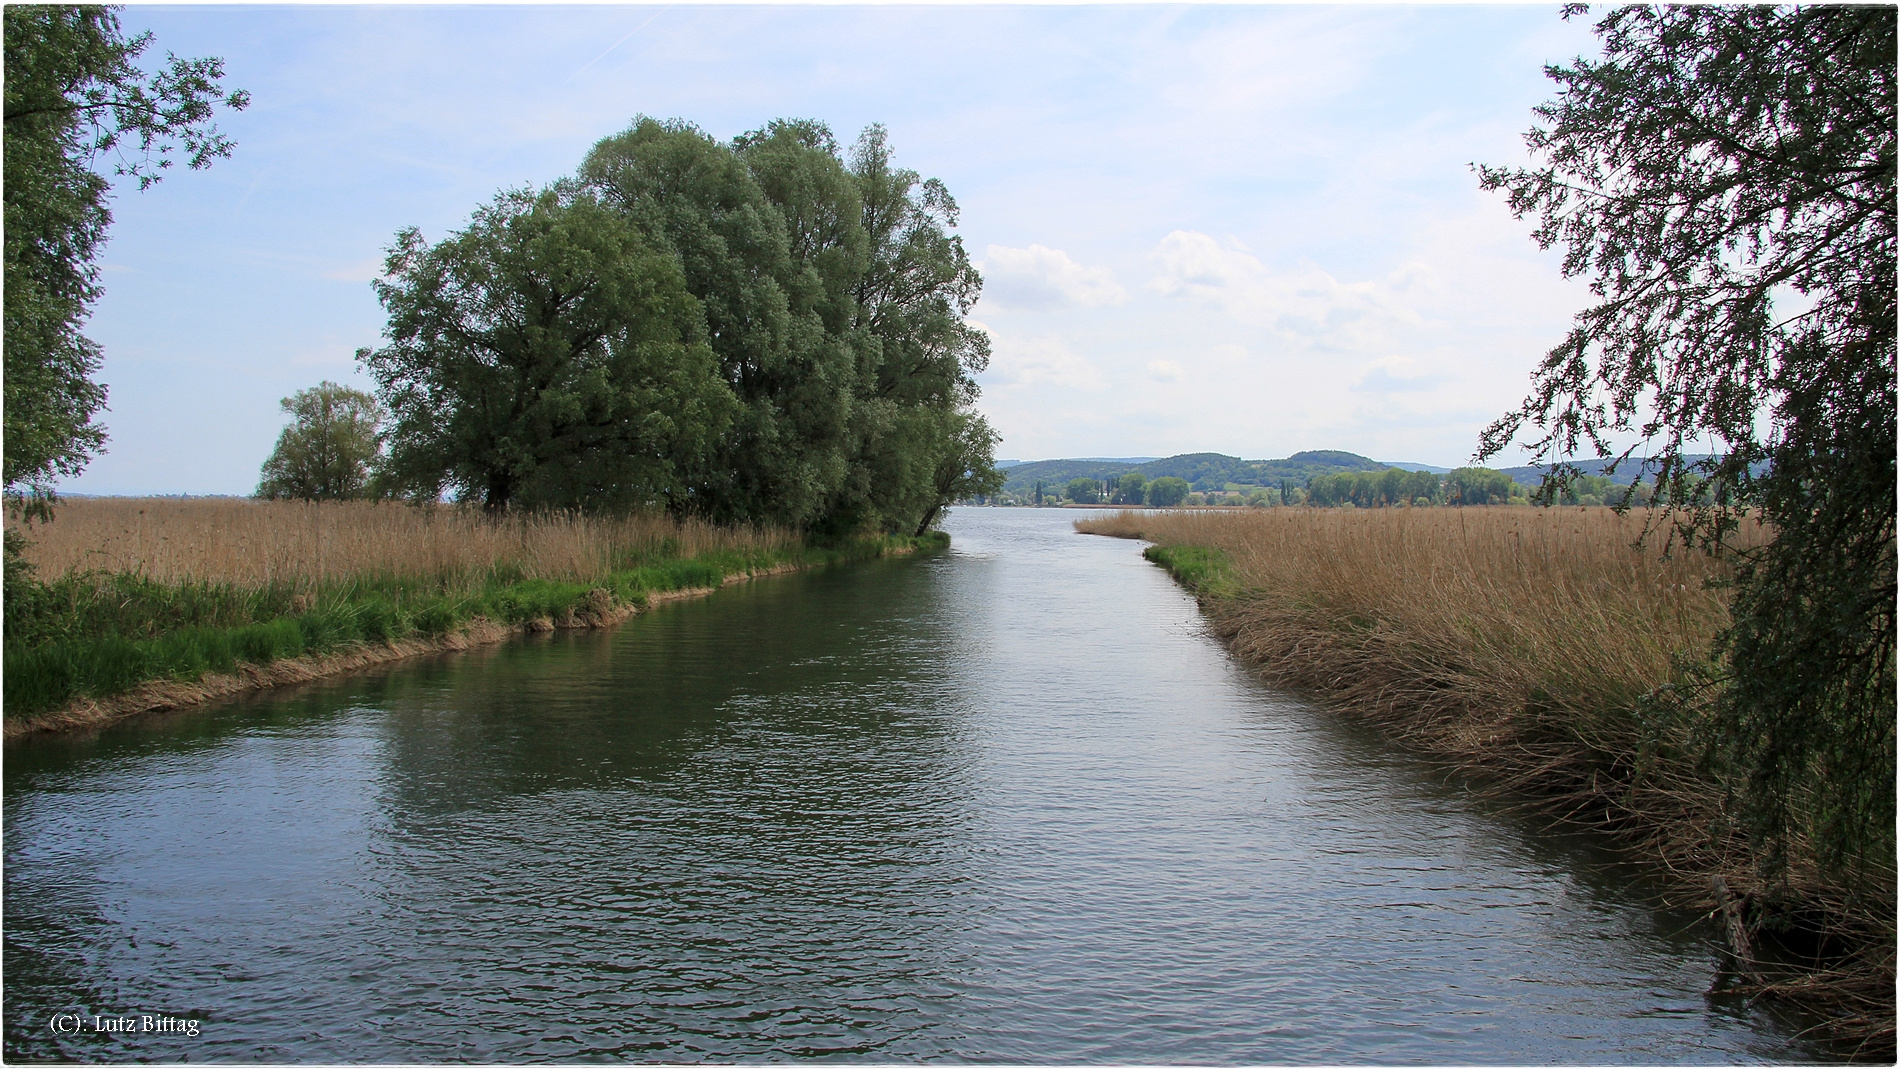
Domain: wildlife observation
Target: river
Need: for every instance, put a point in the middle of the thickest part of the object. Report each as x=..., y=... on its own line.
x=1008, y=802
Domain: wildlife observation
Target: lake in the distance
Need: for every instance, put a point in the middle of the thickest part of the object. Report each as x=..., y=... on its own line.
x=1003, y=803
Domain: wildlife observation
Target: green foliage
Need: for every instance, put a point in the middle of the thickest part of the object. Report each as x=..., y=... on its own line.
x=1704, y=131
x=46, y=676
x=547, y=356
x=1206, y=572
x=129, y=606
x=1202, y=471
x=1083, y=491
x=1593, y=490
x=964, y=464
x=834, y=296
x=327, y=452
x=1167, y=491
x=1131, y=489
x=920, y=444
x=1716, y=162
x=1382, y=489
x=73, y=95
x=1480, y=486
x=1806, y=719
x=700, y=201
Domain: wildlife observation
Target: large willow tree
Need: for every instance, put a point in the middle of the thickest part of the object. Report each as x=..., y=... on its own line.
x=834, y=296
x=1724, y=177
x=548, y=355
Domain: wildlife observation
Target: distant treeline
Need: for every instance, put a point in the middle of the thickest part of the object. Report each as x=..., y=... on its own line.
x=1464, y=486
x=1201, y=471
x=1321, y=478
x=1391, y=487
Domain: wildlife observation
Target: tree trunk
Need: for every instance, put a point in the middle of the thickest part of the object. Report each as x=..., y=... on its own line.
x=495, y=501
x=929, y=518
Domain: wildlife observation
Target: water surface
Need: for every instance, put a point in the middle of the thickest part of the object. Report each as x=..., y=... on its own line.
x=1004, y=803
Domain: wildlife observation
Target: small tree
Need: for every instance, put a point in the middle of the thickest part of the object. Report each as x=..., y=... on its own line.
x=1478, y=486
x=328, y=451
x=1133, y=488
x=1083, y=491
x=1167, y=491
x=967, y=468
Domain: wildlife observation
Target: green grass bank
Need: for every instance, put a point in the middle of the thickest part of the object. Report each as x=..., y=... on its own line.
x=91, y=638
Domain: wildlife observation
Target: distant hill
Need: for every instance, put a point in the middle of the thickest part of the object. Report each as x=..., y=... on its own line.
x=1203, y=471
x=1533, y=474
x=1214, y=471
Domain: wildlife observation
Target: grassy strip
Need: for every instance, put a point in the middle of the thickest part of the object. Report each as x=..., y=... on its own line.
x=1208, y=572
x=96, y=636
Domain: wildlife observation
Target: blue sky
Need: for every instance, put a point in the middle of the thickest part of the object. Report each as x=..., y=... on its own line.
x=1251, y=230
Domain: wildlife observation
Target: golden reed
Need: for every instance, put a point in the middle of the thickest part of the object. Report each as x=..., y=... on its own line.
x=1529, y=647
x=1499, y=600
x=1518, y=642
x=255, y=543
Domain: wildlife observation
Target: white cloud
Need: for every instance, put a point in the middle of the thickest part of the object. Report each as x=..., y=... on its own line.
x=1036, y=361
x=1166, y=370
x=1299, y=62
x=1040, y=277
x=1383, y=378
x=1308, y=306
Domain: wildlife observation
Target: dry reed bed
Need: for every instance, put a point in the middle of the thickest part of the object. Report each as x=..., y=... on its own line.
x=1528, y=647
x=1512, y=598
x=258, y=543
x=1520, y=643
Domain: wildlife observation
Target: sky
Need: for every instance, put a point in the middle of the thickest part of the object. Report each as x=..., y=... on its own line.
x=1237, y=229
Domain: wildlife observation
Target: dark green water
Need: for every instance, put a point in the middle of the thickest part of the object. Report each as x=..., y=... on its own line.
x=1007, y=803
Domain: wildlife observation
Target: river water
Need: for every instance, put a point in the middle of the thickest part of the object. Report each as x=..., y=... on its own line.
x=1002, y=803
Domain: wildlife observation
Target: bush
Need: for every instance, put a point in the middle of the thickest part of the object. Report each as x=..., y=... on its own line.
x=1167, y=491
x=1083, y=491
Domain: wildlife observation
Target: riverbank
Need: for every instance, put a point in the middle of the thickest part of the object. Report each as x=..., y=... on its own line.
x=206, y=599
x=1535, y=652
